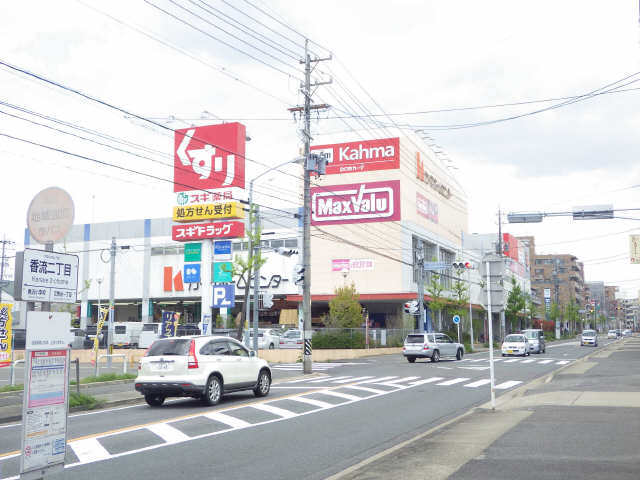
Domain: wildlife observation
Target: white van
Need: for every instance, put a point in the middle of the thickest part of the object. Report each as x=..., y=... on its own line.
x=150, y=333
x=126, y=334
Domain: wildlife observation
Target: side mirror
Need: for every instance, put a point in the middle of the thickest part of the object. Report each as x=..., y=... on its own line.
x=252, y=353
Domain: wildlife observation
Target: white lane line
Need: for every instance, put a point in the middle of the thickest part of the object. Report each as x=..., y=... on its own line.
x=355, y=379
x=89, y=450
x=226, y=419
x=364, y=389
x=531, y=360
x=403, y=379
x=496, y=360
x=562, y=362
x=505, y=385
x=511, y=360
x=544, y=362
x=426, y=380
x=379, y=379
x=346, y=396
x=280, y=412
x=453, y=381
x=305, y=380
x=329, y=379
x=481, y=360
x=311, y=401
x=478, y=383
x=168, y=433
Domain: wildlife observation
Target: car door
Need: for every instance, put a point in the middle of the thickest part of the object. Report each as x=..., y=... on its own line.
x=448, y=347
x=243, y=364
x=216, y=355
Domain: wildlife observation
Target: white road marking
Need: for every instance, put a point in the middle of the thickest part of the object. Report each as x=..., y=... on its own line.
x=333, y=393
x=505, y=385
x=327, y=379
x=562, y=362
x=480, y=360
x=228, y=420
x=531, y=360
x=511, y=360
x=281, y=412
x=89, y=450
x=364, y=389
x=379, y=379
x=168, y=433
x=426, y=380
x=453, y=381
x=311, y=401
x=544, y=362
x=476, y=368
x=354, y=379
x=478, y=383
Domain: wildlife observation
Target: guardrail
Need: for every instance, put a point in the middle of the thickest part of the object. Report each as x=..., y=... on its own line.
x=113, y=355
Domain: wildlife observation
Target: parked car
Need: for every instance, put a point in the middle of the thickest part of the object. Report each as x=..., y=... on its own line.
x=204, y=367
x=187, y=329
x=516, y=344
x=626, y=333
x=91, y=335
x=431, y=345
x=149, y=334
x=589, y=337
x=126, y=334
x=537, y=343
x=612, y=334
x=268, y=338
x=291, y=339
x=76, y=338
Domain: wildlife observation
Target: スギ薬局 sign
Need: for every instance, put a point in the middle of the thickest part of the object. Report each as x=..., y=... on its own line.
x=209, y=157
x=200, y=231
x=362, y=156
x=356, y=203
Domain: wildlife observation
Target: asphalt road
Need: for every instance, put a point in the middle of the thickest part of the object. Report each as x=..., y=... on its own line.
x=306, y=428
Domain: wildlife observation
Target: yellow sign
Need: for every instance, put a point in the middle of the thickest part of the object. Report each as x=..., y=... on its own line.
x=102, y=315
x=6, y=332
x=208, y=211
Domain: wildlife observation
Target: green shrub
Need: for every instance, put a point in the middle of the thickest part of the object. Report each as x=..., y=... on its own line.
x=82, y=400
x=338, y=340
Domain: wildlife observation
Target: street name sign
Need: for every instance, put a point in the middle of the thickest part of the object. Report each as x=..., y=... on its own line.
x=46, y=276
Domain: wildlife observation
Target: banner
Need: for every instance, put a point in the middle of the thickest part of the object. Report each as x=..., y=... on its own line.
x=102, y=315
x=6, y=333
x=169, y=324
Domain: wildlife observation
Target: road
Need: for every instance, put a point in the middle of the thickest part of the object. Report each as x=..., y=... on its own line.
x=306, y=428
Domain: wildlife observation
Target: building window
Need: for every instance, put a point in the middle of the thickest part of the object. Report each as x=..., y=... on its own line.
x=539, y=271
x=429, y=251
x=291, y=242
x=277, y=243
x=446, y=257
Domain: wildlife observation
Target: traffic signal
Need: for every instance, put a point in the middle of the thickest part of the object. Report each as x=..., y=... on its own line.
x=463, y=265
x=410, y=307
x=298, y=274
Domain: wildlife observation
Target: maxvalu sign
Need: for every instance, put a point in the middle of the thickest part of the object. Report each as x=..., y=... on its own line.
x=356, y=203
x=351, y=157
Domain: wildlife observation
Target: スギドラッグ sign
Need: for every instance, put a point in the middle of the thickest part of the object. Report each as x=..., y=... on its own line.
x=199, y=231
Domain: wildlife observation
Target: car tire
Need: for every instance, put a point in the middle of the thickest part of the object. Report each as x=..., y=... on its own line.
x=263, y=384
x=459, y=354
x=411, y=359
x=435, y=356
x=154, y=400
x=504, y=354
x=213, y=391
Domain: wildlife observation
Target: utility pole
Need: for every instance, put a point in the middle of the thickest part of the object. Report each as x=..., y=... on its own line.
x=306, y=236
x=420, y=284
x=112, y=292
x=256, y=280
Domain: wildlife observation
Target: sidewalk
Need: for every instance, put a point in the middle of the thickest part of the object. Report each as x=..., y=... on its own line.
x=580, y=422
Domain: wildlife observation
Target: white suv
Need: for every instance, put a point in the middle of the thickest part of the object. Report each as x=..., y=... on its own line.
x=200, y=367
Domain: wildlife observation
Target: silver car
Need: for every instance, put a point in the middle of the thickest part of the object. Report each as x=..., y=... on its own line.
x=537, y=343
x=589, y=337
x=431, y=345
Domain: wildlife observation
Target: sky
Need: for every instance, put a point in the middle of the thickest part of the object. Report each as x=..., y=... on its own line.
x=394, y=58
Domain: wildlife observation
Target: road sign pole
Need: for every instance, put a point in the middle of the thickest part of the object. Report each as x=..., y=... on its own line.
x=490, y=320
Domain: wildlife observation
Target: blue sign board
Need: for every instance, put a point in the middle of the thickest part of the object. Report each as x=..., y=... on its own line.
x=191, y=273
x=169, y=324
x=456, y=319
x=222, y=248
x=224, y=296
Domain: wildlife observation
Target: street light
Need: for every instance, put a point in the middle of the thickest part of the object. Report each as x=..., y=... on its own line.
x=256, y=223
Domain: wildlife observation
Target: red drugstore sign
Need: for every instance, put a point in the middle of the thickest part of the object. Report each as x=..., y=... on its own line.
x=362, y=156
x=209, y=157
x=356, y=203
x=200, y=231
x=426, y=208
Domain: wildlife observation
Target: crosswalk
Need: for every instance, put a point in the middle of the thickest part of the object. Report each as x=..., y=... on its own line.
x=523, y=360
x=318, y=366
x=394, y=381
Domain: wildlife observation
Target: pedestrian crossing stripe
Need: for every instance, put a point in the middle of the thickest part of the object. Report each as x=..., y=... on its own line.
x=535, y=361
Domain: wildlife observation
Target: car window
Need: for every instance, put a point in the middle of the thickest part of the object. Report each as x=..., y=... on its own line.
x=531, y=335
x=238, y=350
x=430, y=338
x=446, y=339
x=415, y=338
x=150, y=327
x=120, y=329
x=588, y=333
x=172, y=346
x=514, y=338
x=215, y=348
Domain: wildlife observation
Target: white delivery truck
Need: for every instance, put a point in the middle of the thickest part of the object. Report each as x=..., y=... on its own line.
x=150, y=333
x=126, y=334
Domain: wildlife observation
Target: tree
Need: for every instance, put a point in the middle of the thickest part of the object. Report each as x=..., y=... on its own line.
x=555, y=314
x=530, y=309
x=571, y=314
x=345, y=310
x=243, y=268
x=438, y=301
x=515, y=303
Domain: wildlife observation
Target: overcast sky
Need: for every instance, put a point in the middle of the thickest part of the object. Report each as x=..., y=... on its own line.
x=410, y=56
